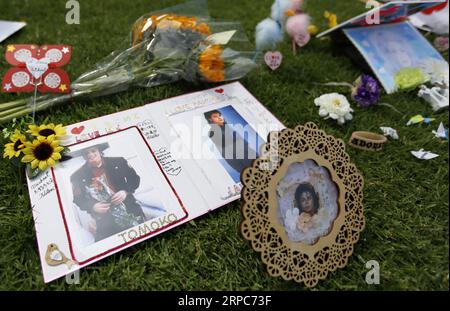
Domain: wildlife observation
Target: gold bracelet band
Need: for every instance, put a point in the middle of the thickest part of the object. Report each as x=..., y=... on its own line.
x=367, y=141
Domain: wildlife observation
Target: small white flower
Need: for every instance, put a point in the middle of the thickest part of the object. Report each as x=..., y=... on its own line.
x=335, y=106
x=436, y=69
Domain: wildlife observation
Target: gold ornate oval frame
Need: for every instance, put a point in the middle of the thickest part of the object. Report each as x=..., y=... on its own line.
x=297, y=260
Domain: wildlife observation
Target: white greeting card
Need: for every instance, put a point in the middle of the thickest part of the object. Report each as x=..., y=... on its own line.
x=137, y=173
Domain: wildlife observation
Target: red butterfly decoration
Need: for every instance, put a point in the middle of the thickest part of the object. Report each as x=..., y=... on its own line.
x=37, y=66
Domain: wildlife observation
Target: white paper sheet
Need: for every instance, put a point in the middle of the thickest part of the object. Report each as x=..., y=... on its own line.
x=8, y=28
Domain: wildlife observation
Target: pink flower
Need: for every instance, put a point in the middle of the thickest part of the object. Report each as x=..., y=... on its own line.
x=297, y=28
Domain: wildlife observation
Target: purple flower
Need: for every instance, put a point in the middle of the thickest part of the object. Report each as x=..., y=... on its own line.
x=366, y=91
x=441, y=44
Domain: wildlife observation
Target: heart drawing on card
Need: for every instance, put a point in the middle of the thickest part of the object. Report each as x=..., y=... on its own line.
x=77, y=130
x=37, y=67
x=220, y=91
x=273, y=59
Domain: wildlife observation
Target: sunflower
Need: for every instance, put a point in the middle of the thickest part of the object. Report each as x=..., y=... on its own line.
x=15, y=147
x=211, y=64
x=42, y=152
x=46, y=130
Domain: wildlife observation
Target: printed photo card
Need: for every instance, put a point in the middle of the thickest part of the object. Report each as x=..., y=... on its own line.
x=388, y=42
x=391, y=47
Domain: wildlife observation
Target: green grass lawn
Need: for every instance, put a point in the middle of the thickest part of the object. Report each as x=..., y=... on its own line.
x=405, y=199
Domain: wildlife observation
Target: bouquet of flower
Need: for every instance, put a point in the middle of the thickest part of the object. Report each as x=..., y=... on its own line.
x=178, y=43
x=101, y=192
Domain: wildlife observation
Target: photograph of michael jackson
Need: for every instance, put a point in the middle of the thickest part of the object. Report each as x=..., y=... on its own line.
x=104, y=187
x=234, y=139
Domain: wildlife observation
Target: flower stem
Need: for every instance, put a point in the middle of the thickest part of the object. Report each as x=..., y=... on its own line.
x=9, y=111
x=13, y=104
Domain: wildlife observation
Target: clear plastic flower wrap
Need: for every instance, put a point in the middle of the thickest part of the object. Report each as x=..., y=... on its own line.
x=178, y=43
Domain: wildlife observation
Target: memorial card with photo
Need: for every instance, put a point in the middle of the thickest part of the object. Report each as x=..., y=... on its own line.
x=227, y=143
x=388, y=42
x=392, y=47
x=137, y=173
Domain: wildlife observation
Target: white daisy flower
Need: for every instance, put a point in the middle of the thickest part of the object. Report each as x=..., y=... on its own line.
x=334, y=106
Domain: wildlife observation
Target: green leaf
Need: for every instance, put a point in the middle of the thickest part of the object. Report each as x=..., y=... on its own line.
x=32, y=173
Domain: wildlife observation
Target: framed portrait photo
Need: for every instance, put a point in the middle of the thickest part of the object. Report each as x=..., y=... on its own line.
x=302, y=204
x=111, y=193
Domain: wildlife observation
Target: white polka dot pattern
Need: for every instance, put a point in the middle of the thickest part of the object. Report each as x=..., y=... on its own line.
x=22, y=55
x=54, y=55
x=20, y=79
x=52, y=80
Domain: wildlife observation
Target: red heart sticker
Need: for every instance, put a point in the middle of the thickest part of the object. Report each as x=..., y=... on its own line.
x=77, y=130
x=220, y=91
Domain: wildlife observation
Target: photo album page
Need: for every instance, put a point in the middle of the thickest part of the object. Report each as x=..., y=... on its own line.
x=136, y=173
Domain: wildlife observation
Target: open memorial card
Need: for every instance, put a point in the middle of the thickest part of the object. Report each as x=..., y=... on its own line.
x=388, y=42
x=137, y=173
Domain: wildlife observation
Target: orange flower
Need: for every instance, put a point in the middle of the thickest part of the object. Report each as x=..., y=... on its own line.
x=168, y=20
x=204, y=29
x=289, y=13
x=211, y=64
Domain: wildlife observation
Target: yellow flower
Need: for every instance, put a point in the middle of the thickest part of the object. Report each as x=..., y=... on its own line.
x=15, y=147
x=332, y=19
x=46, y=130
x=211, y=64
x=42, y=152
x=313, y=30
x=409, y=78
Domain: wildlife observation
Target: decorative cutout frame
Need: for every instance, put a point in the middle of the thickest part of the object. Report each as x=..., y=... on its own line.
x=299, y=261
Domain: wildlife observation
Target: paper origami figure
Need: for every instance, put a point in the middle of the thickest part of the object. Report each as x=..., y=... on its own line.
x=436, y=96
x=389, y=131
x=419, y=119
x=424, y=155
x=441, y=132
x=37, y=67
